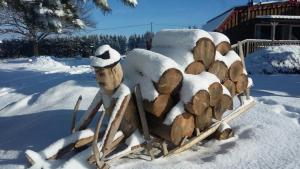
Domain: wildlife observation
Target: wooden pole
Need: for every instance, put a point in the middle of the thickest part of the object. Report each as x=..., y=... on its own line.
x=95, y=141
x=274, y=24
x=73, y=129
x=144, y=123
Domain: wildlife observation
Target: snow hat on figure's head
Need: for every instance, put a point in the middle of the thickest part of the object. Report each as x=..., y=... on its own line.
x=105, y=56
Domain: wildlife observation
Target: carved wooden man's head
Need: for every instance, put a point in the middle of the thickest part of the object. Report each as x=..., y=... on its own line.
x=109, y=73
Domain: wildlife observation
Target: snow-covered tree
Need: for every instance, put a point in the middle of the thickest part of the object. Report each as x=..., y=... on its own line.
x=37, y=19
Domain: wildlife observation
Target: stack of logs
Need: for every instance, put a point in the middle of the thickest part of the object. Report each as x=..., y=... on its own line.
x=214, y=64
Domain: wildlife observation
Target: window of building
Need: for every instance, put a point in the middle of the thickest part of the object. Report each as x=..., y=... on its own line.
x=295, y=33
x=282, y=32
x=263, y=31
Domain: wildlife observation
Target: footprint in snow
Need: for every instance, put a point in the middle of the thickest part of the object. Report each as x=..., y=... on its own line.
x=286, y=110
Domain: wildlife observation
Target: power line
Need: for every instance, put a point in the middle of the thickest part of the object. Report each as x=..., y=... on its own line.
x=120, y=27
x=150, y=25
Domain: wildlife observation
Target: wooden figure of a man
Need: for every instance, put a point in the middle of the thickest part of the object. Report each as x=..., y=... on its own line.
x=114, y=96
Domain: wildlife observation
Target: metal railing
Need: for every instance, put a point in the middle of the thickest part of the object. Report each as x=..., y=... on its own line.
x=251, y=45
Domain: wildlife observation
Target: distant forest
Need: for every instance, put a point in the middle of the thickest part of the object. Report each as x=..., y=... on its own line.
x=74, y=46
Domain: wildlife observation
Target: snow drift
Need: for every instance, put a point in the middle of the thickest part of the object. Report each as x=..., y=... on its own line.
x=272, y=60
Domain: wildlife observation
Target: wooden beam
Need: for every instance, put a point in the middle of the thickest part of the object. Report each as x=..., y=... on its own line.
x=195, y=140
x=73, y=124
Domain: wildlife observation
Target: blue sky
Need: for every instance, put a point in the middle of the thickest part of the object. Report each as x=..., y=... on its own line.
x=162, y=13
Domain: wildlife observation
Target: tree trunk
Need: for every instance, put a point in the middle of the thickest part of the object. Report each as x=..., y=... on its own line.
x=242, y=83
x=215, y=92
x=195, y=68
x=219, y=69
x=230, y=86
x=199, y=103
x=160, y=106
x=170, y=82
x=205, y=51
x=205, y=120
x=223, y=48
x=235, y=70
x=35, y=45
x=182, y=126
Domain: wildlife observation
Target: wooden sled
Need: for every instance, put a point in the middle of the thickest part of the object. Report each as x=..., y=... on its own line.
x=166, y=150
x=246, y=104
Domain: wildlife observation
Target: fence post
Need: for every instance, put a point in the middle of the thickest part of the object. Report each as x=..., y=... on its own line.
x=247, y=50
x=241, y=53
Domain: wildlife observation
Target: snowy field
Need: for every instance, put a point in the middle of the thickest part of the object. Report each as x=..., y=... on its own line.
x=37, y=97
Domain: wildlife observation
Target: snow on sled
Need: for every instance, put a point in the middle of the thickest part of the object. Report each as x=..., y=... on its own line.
x=160, y=102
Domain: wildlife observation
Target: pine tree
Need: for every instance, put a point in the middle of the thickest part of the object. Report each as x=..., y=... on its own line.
x=37, y=19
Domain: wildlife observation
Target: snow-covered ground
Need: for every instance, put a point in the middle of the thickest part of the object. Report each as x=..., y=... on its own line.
x=37, y=97
x=275, y=59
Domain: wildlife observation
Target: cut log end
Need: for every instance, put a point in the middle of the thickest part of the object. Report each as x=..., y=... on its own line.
x=182, y=126
x=215, y=92
x=160, y=106
x=225, y=103
x=242, y=83
x=223, y=48
x=205, y=51
x=225, y=134
x=195, y=68
x=199, y=103
x=230, y=85
x=219, y=69
x=204, y=121
x=235, y=70
x=170, y=82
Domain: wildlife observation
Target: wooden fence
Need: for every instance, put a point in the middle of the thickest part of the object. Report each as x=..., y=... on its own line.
x=251, y=45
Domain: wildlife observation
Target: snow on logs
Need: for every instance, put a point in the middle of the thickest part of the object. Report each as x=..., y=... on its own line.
x=200, y=94
x=185, y=46
x=163, y=71
x=182, y=126
x=221, y=42
x=229, y=69
x=176, y=103
x=153, y=102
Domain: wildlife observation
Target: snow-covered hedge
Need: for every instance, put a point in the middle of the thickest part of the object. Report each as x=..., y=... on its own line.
x=277, y=59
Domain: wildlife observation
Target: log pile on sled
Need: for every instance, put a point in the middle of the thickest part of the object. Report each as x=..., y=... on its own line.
x=187, y=82
x=212, y=69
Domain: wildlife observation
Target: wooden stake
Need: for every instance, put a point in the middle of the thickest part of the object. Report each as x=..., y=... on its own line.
x=183, y=141
x=195, y=140
x=90, y=117
x=73, y=124
x=197, y=131
x=115, y=125
x=165, y=148
x=95, y=142
x=144, y=123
